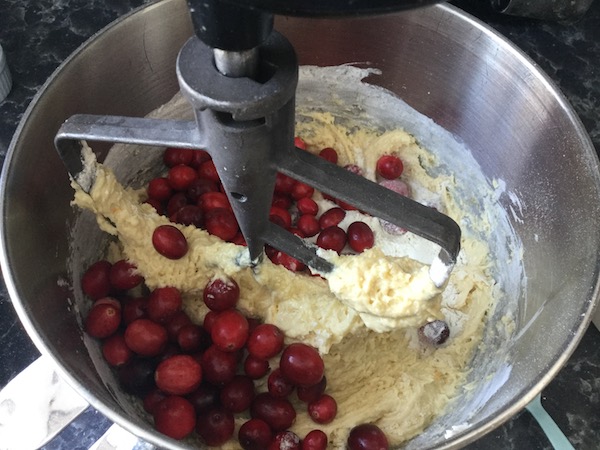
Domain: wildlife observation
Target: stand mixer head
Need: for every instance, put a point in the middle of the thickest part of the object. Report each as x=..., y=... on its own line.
x=240, y=77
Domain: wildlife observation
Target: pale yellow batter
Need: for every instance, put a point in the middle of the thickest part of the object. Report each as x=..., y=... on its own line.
x=387, y=378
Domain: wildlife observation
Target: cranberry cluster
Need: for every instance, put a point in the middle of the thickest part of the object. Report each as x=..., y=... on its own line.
x=198, y=377
x=192, y=194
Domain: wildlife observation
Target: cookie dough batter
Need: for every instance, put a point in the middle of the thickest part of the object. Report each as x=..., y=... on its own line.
x=377, y=370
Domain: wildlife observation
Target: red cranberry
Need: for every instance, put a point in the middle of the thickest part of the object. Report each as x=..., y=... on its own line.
x=281, y=217
x=331, y=217
x=307, y=205
x=123, y=275
x=281, y=201
x=278, y=385
x=157, y=205
x=323, y=410
x=315, y=440
x=137, y=376
x=277, y=412
x=189, y=215
x=159, y=189
x=175, y=203
x=237, y=395
x=145, y=337
x=133, y=308
x=309, y=225
x=175, y=156
x=213, y=200
x=199, y=187
x=329, y=154
x=175, y=323
x=152, y=399
x=434, y=333
x=345, y=206
x=230, y=331
x=175, y=417
x=220, y=294
x=115, y=350
x=332, y=238
x=208, y=171
x=256, y=368
x=178, y=375
x=103, y=320
x=218, y=367
x=389, y=167
x=302, y=190
x=109, y=301
x=204, y=398
x=360, y=236
x=284, y=184
x=299, y=142
x=367, y=437
x=180, y=177
x=255, y=434
x=192, y=338
x=169, y=241
x=221, y=223
x=163, y=303
x=199, y=157
x=216, y=426
x=285, y=440
x=96, y=280
x=265, y=341
x=312, y=393
x=302, y=364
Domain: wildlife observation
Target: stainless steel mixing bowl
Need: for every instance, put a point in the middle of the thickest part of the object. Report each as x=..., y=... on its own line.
x=444, y=64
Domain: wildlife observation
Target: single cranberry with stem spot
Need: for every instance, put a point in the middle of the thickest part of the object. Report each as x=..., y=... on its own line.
x=360, y=236
x=163, y=303
x=389, y=167
x=265, y=341
x=218, y=367
x=315, y=440
x=278, y=412
x=307, y=205
x=222, y=223
x=221, y=294
x=302, y=364
x=178, y=375
x=146, y=337
x=95, y=282
x=115, y=350
x=367, y=437
x=323, y=410
x=256, y=368
x=230, y=331
x=332, y=238
x=175, y=417
x=103, y=320
x=278, y=385
x=309, y=225
x=216, y=426
x=329, y=154
x=255, y=434
x=169, y=241
x=331, y=217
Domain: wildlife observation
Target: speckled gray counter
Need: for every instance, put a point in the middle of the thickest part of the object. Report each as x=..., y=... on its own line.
x=37, y=35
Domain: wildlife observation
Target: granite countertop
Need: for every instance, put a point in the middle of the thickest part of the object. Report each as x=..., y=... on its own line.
x=37, y=35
